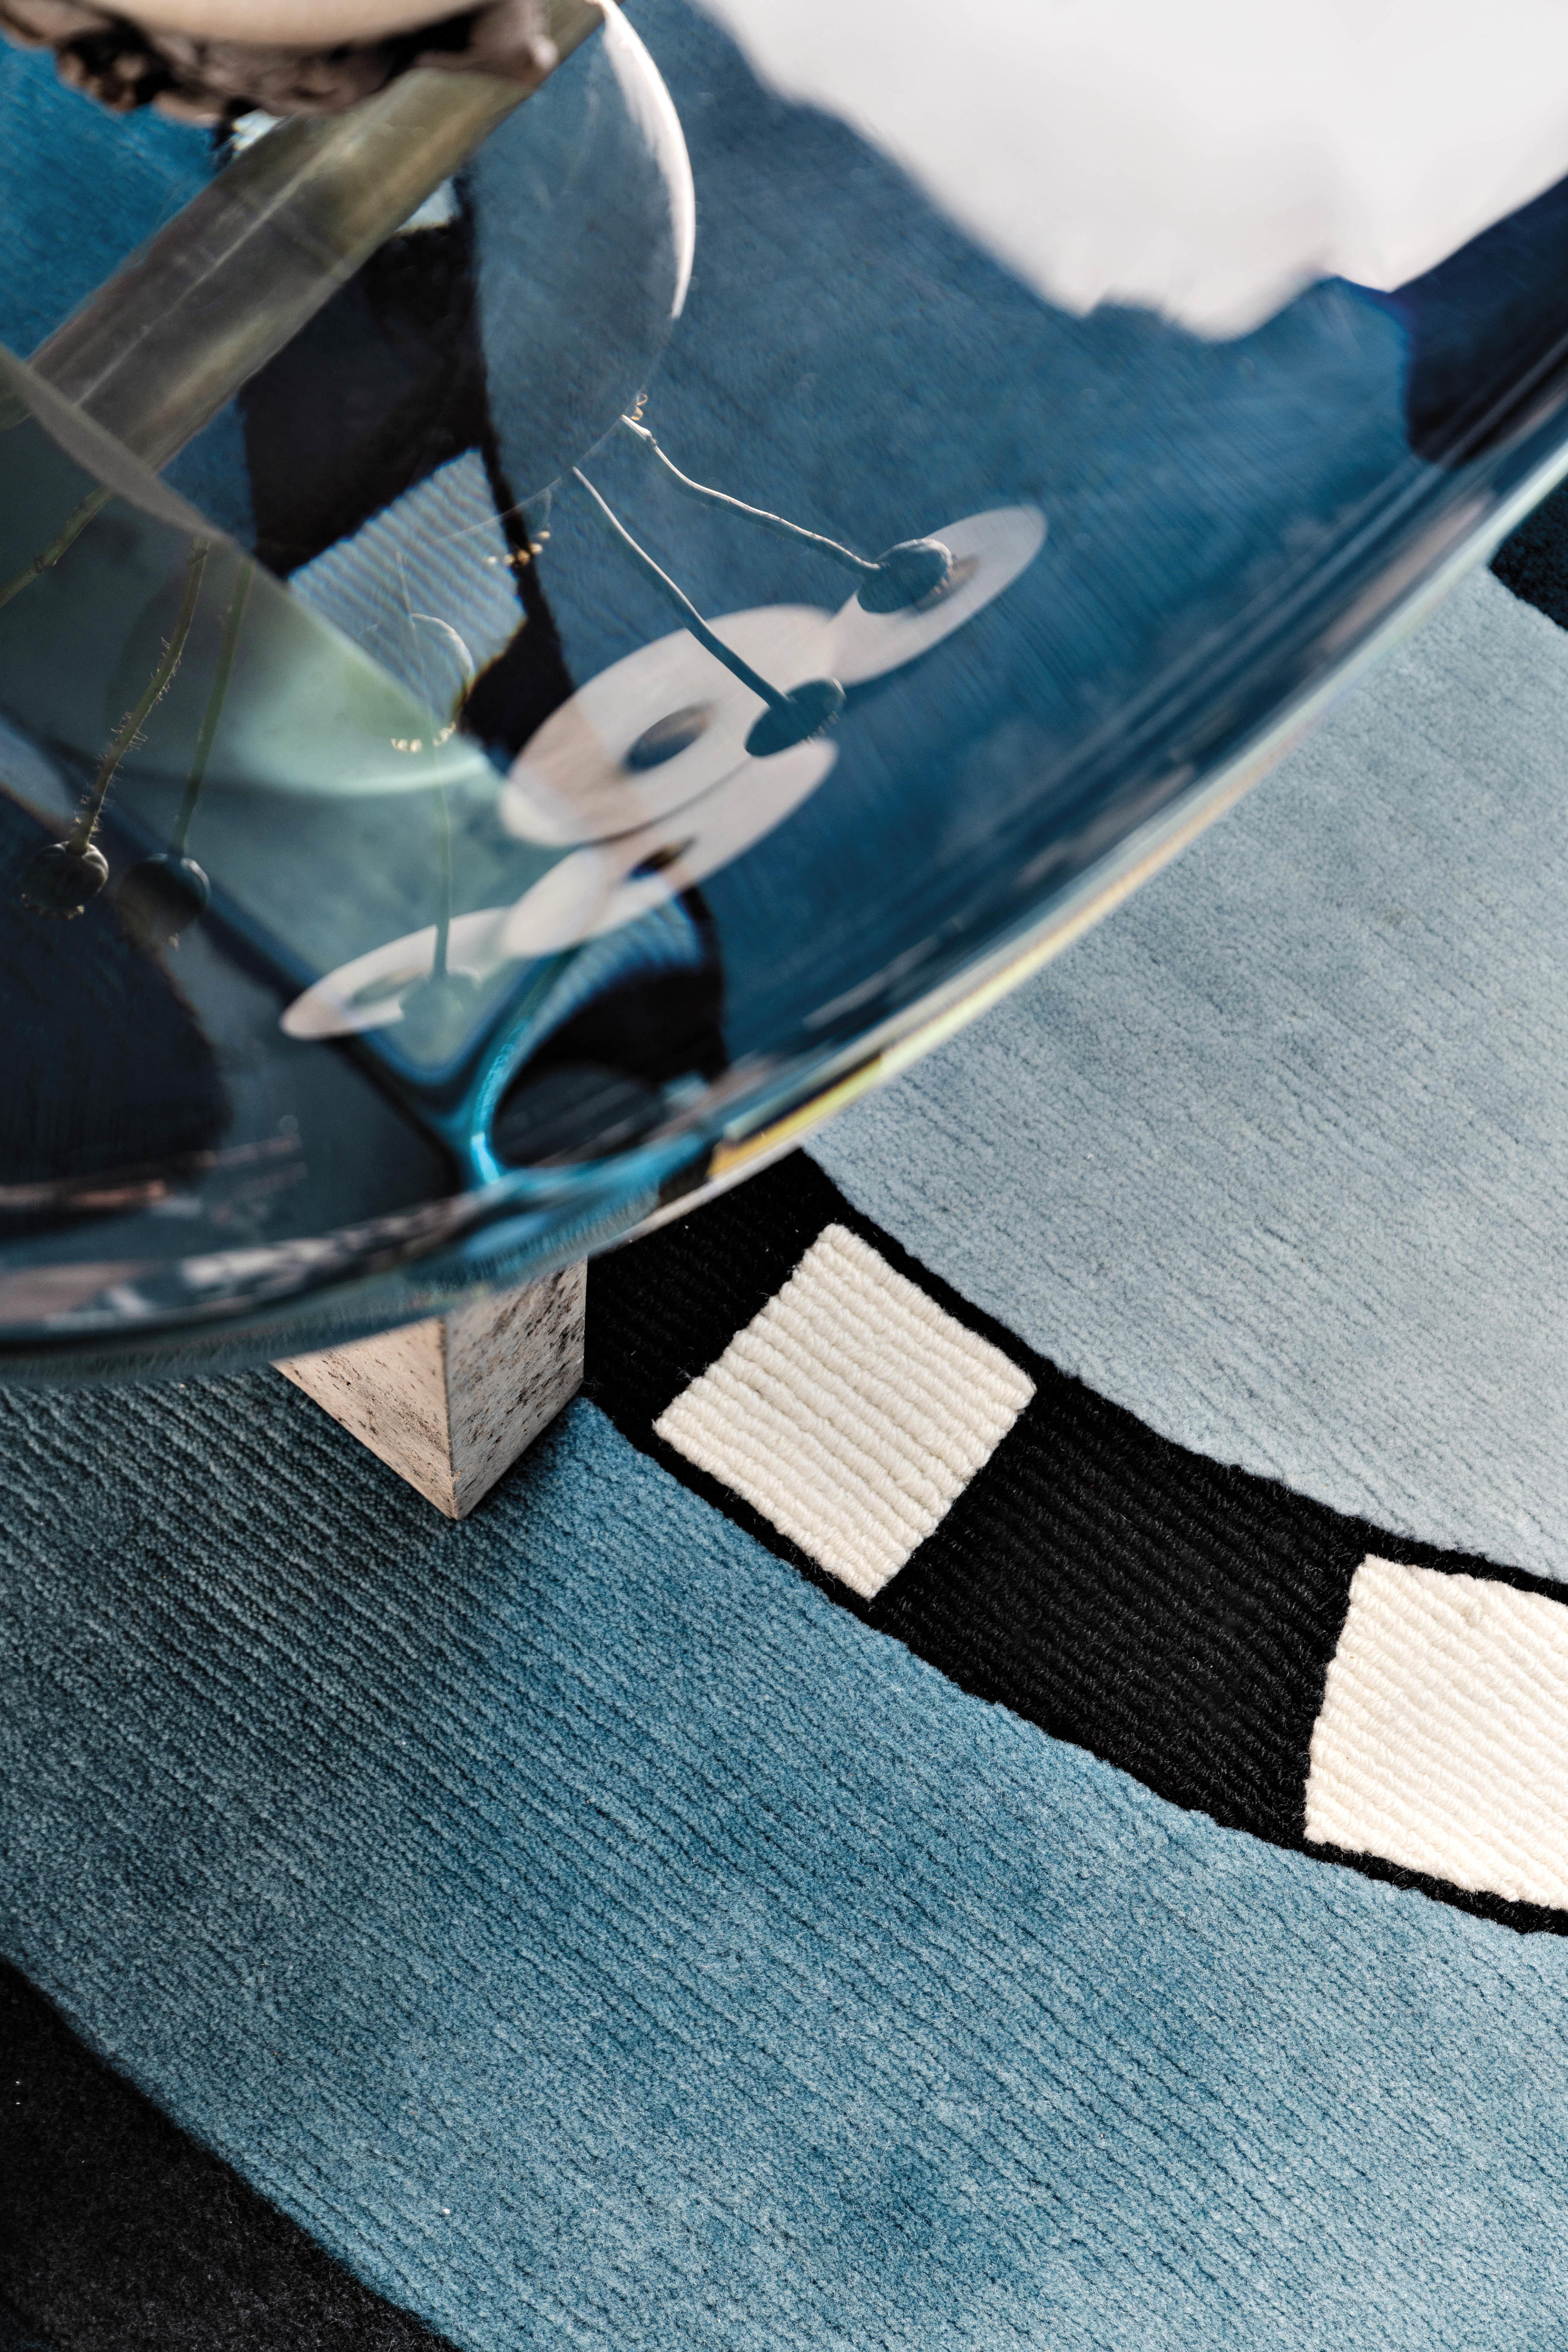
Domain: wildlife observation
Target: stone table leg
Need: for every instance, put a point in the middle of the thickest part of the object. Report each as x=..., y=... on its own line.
x=451, y=1404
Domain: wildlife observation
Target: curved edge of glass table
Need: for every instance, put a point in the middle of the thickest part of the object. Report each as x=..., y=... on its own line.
x=296, y=1297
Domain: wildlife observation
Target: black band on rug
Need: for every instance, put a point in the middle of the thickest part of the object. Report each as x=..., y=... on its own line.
x=1175, y=1616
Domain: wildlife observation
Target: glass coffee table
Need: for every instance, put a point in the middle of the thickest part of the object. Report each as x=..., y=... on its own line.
x=609, y=694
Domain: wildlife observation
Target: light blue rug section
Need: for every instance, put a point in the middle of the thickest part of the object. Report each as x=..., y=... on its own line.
x=1279, y=1156
x=598, y=1939
x=426, y=585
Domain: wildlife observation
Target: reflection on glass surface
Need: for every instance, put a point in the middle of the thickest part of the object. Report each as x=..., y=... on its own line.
x=659, y=727
x=572, y=761
x=585, y=223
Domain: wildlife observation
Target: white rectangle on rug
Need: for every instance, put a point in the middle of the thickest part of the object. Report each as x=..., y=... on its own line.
x=1443, y=1740
x=852, y=1411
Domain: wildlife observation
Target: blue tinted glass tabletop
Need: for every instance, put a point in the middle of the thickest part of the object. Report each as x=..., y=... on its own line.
x=675, y=634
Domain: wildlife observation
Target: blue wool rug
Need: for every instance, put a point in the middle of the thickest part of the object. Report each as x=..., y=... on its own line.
x=1001, y=1776
x=1292, y=1183
x=601, y=1923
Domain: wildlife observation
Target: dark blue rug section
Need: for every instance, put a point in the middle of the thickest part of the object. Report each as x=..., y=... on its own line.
x=78, y=196
x=69, y=218
x=589, y=1933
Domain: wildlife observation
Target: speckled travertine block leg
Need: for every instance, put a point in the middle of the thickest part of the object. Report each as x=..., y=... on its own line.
x=451, y=1403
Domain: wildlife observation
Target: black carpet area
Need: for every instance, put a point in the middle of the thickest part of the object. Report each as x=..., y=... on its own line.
x=118, y=2234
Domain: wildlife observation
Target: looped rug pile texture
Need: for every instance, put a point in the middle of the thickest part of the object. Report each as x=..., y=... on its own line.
x=1000, y=1778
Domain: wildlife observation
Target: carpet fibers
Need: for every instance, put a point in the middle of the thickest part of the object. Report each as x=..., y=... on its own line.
x=866, y=1839
x=585, y=1931
x=1000, y=1778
